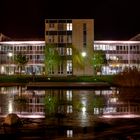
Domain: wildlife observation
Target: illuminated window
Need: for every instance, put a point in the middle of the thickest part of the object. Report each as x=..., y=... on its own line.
x=113, y=57
x=109, y=110
x=69, y=95
x=69, y=133
x=69, y=66
x=69, y=109
x=10, y=106
x=96, y=111
x=113, y=100
x=61, y=50
x=69, y=51
x=69, y=26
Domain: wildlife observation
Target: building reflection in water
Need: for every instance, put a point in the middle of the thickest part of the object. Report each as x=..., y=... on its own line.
x=72, y=111
x=82, y=105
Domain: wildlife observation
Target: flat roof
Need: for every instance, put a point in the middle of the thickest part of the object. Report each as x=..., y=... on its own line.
x=116, y=42
x=22, y=42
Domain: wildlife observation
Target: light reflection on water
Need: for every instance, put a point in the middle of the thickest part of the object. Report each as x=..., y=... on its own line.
x=71, y=108
x=83, y=103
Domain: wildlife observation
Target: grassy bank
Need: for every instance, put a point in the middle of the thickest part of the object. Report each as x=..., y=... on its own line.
x=38, y=78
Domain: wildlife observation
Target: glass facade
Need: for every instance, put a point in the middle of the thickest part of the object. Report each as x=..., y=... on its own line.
x=119, y=54
x=33, y=50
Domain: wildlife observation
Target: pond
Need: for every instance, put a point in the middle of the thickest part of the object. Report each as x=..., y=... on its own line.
x=111, y=113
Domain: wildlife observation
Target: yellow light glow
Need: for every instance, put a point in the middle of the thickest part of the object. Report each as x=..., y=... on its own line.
x=84, y=54
x=2, y=69
x=83, y=109
x=10, y=107
x=10, y=54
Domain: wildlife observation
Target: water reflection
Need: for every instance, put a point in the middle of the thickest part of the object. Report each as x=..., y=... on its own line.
x=21, y=101
x=73, y=111
x=79, y=103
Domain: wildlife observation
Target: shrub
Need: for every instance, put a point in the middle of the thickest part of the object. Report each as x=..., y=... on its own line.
x=130, y=77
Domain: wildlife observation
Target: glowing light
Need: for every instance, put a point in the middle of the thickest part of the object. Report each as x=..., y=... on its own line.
x=121, y=116
x=69, y=133
x=113, y=100
x=23, y=42
x=69, y=95
x=10, y=54
x=31, y=116
x=27, y=116
x=10, y=107
x=2, y=69
x=84, y=54
x=108, y=110
x=49, y=78
x=119, y=42
x=83, y=109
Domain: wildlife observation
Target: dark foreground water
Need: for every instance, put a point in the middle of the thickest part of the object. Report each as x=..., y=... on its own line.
x=98, y=114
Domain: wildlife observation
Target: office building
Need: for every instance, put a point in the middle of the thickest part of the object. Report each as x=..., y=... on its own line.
x=64, y=33
x=33, y=50
x=119, y=55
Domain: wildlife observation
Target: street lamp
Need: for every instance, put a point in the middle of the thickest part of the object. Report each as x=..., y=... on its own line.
x=9, y=55
x=84, y=54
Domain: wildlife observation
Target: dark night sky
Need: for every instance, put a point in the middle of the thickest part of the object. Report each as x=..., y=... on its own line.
x=114, y=19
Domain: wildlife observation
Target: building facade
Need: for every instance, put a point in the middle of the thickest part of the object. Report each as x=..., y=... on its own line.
x=33, y=50
x=65, y=33
x=119, y=54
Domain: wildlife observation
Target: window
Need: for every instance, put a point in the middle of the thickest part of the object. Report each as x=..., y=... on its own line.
x=69, y=109
x=60, y=68
x=84, y=35
x=69, y=66
x=51, y=39
x=51, y=25
x=51, y=70
x=69, y=51
x=69, y=38
x=69, y=95
x=69, y=26
x=30, y=47
x=61, y=51
x=60, y=39
x=60, y=26
x=84, y=27
x=69, y=133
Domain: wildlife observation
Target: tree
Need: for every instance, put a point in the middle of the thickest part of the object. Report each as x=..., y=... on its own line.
x=77, y=59
x=51, y=105
x=52, y=58
x=21, y=60
x=98, y=60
